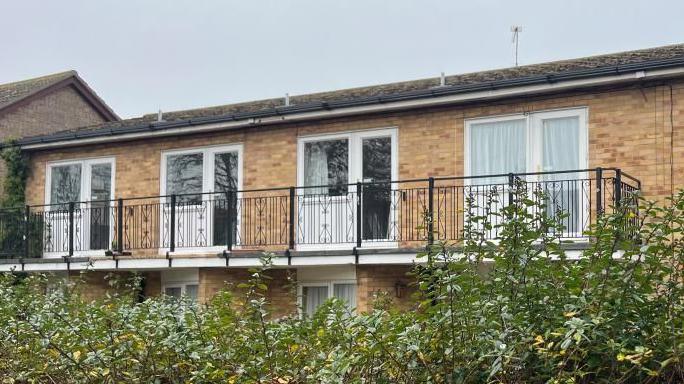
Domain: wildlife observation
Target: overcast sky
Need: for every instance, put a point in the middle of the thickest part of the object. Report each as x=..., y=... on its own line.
x=144, y=55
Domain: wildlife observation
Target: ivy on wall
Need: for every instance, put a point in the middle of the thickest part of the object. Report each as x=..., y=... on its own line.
x=14, y=185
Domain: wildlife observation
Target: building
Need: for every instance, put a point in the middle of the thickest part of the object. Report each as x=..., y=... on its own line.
x=49, y=104
x=345, y=187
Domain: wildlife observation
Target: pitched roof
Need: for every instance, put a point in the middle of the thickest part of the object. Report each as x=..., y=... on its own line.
x=18, y=92
x=544, y=73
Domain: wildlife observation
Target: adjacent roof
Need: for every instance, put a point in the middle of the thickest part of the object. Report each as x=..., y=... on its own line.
x=14, y=94
x=582, y=68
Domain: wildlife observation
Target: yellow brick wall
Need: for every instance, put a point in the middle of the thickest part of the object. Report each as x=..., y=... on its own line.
x=384, y=283
x=628, y=128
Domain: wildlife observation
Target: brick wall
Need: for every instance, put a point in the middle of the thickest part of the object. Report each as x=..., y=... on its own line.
x=384, y=283
x=94, y=285
x=59, y=110
x=628, y=128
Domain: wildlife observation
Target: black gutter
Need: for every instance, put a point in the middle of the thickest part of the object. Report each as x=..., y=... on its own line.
x=363, y=101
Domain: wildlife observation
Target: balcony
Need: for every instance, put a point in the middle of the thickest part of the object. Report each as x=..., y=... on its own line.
x=392, y=214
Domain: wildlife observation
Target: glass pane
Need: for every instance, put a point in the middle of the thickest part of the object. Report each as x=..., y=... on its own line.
x=184, y=176
x=225, y=172
x=175, y=292
x=65, y=184
x=225, y=180
x=377, y=168
x=99, y=210
x=560, y=152
x=346, y=292
x=312, y=298
x=191, y=291
x=326, y=163
x=497, y=148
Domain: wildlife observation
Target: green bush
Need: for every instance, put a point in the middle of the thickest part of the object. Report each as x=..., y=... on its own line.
x=514, y=310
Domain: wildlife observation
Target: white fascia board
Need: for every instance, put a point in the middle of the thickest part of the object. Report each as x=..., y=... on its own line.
x=389, y=106
x=238, y=262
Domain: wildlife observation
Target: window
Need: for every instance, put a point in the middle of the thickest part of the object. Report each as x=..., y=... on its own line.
x=534, y=142
x=89, y=183
x=178, y=291
x=192, y=172
x=326, y=165
x=313, y=295
x=544, y=144
x=181, y=283
x=206, y=182
x=329, y=166
x=79, y=181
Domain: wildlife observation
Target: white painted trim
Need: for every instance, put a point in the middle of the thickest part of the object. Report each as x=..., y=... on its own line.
x=86, y=165
x=355, y=169
x=241, y=262
x=208, y=174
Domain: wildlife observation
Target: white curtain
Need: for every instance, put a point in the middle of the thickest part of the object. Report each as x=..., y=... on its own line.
x=497, y=147
x=313, y=297
x=315, y=168
x=347, y=293
x=560, y=152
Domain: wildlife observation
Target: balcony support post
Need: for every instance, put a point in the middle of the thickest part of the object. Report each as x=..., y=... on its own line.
x=119, y=225
x=291, y=225
x=599, y=191
x=229, y=224
x=431, y=211
x=27, y=230
x=72, y=206
x=511, y=186
x=617, y=194
x=359, y=197
x=172, y=225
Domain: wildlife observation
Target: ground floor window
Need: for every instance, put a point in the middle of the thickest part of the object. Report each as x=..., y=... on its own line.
x=313, y=295
x=179, y=284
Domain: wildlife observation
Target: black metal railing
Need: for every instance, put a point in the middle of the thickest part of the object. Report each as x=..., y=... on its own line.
x=381, y=214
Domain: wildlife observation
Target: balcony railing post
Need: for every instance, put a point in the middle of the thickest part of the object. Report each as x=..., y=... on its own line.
x=359, y=197
x=27, y=230
x=511, y=186
x=617, y=194
x=291, y=228
x=172, y=225
x=599, y=191
x=119, y=225
x=72, y=206
x=431, y=211
x=229, y=224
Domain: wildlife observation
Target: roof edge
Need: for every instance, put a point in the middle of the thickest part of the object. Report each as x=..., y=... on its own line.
x=279, y=114
x=79, y=85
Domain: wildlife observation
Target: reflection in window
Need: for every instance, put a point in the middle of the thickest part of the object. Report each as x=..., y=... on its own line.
x=225, y=205
x=184, y=176
x=326, y=163
x=65, y=185
x=225, y=172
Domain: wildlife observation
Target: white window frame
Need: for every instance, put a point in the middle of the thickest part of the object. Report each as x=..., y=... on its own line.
x=86, y=173
x=533, y=137
x=208, y=174
x=180, y=279
x=354, y=170
x=330, y=284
